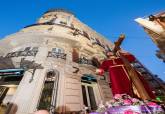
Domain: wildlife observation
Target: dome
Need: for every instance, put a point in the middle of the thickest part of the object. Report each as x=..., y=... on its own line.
x=58, y=10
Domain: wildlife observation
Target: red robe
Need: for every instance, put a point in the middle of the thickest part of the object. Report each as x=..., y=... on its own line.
x=120, y=82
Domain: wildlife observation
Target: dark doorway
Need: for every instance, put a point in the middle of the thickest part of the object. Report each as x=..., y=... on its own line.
x=84, y=96
x=92, y=98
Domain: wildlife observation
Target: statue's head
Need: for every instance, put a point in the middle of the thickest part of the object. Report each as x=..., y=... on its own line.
x=109, y=54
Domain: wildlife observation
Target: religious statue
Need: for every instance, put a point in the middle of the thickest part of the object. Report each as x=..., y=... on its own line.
x=124, y=78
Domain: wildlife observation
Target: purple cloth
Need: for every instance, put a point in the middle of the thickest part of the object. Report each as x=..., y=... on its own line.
x=133, y=109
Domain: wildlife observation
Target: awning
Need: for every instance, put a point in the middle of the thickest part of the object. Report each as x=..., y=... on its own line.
x=11, y=72
x=88, y=77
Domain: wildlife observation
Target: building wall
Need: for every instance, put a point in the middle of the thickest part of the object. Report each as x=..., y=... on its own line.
x=46, y=37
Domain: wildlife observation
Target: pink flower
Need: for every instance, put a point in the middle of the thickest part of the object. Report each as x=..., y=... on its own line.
x=127, y=102
x=118, y=96
x=134, y=100
x=129, y=111
x=151, y=104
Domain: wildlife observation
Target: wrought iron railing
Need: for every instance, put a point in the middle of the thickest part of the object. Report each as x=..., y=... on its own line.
x=22, y=53
x=57, y=55
x=93, y=62
x=85, y=61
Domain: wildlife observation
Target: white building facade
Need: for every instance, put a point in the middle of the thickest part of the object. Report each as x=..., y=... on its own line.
x=57, y=58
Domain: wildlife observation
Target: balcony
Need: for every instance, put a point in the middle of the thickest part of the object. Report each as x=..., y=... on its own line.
x=27, y=52
x=147, y=77
x=160, y=55
x=154, y=84
x=136, y=65
x=142, y=70
x=57, y=55
x=84, y=60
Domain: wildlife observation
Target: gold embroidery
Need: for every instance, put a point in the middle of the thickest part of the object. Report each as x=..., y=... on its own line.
x=116, y=66
x=112, y=58
x=126, y=72
x=133, y=86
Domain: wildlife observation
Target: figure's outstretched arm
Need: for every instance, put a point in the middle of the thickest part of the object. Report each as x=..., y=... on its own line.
x=103, y=67
x=99, y=71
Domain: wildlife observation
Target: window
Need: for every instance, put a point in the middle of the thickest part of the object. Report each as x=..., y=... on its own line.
x=142, y=70
x=75, y=56
x=54, y=50
x=56, y=21
x=136, y=65
x=57, y=53
x=35, y=49
x=88, y=87
x=98, y=42
x=57, y=50
x=69, y=20
x=76, y=32
x=53, y=20
x=49, y=92
x=86, y=35
x=93, y=41
x=85, y=60
x=63, y=23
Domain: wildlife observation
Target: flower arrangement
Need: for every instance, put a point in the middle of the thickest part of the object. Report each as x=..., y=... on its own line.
x=123, y=100
x=128, y=105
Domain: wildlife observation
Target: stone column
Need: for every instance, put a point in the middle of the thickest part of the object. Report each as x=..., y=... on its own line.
x=28, y=92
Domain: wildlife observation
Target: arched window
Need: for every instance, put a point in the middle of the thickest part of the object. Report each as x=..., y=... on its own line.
x=49, y=93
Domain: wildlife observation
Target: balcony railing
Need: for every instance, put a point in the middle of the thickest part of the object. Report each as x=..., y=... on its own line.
x=22, y=53
x=85, y=61
x=57, y=55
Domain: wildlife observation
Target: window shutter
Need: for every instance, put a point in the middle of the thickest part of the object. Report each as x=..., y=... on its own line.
x=75, y=56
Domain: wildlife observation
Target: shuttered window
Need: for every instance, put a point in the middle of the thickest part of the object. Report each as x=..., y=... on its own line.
x=75, y=55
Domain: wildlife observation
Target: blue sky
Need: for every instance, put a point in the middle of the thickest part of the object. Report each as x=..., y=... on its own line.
x=108, y=17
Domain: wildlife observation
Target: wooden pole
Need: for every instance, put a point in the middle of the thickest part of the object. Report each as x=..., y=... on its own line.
x=131, y=71
x=135, y=79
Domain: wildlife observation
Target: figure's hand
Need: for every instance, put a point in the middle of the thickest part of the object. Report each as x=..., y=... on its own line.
x=99, y=71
